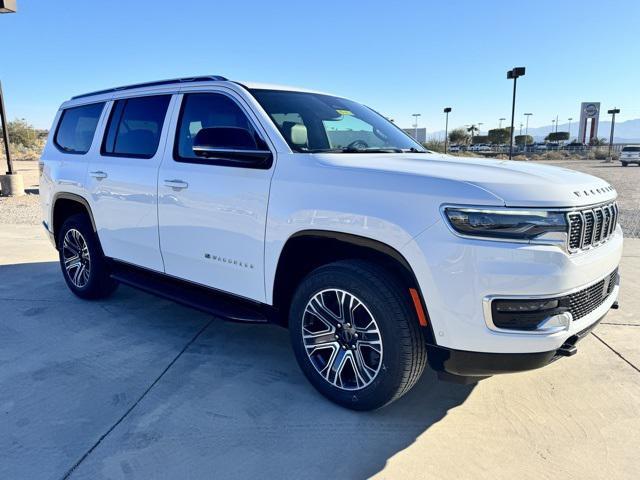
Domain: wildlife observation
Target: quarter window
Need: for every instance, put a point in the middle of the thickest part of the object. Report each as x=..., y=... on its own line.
x=135, y=126
x=77, y=127
x=210, y=110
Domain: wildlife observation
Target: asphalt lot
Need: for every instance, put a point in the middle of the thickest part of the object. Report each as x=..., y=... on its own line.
x=139, y=387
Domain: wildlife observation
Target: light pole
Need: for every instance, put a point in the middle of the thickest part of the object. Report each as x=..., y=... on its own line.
x=5, y=133
x=415, y=124
x=526, y=132
x=11, y=183
x=612, y=112
x=553, y=126
x=513, y=74
x=570, y=118
x=500, y=120
x=447, y=110
x=556, y=123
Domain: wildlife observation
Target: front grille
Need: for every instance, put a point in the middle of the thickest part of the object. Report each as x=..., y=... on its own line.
x=592, y=226
x=585, y=301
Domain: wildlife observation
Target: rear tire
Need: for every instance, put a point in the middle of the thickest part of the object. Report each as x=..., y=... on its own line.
x=83, y=264
x=355, y=334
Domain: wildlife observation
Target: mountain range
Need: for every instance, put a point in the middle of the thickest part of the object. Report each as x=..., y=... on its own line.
x=625, y=132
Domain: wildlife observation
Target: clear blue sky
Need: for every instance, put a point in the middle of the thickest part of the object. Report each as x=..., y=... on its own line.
x=397, y=57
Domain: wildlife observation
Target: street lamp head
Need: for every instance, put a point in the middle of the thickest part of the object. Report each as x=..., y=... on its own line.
x=8, y=6
x=515, y=73
x=447, y=109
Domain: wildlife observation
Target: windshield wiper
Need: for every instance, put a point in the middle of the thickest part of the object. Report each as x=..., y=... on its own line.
x=356, y=150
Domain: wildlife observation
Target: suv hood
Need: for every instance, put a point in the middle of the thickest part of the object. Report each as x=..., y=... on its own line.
x=516, y=183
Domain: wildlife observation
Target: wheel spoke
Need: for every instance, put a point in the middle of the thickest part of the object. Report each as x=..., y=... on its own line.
x=335, y=367
x=319, y=339
x=317, y=308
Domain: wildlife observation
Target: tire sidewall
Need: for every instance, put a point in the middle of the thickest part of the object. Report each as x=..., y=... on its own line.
x=388, y=379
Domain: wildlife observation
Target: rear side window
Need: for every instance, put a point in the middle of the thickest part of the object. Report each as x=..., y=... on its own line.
x=135, y=125
x=77, y=127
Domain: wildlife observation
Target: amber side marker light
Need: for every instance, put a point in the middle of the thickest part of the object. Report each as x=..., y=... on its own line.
x=422, y=317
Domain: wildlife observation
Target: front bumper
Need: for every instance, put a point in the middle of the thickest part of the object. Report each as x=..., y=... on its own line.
x=457, y=276
x=466, y=367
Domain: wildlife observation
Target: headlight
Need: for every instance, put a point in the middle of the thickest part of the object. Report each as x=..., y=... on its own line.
x=507, y=223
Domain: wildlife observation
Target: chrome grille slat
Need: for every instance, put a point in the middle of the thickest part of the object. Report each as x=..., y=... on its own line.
x=591, y=226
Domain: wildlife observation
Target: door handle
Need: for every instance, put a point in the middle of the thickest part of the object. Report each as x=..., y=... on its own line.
x=176, y=184
x=99, y=174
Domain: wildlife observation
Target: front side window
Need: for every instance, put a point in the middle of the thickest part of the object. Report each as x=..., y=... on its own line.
x=135, y=126
x=214, y=119
x=77, y=127
x=311, y=123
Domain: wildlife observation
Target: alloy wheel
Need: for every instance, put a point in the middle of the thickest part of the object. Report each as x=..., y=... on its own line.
x=342, y=339
x=76, y=258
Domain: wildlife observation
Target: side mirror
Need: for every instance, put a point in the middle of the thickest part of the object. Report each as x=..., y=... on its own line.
x=234, y=144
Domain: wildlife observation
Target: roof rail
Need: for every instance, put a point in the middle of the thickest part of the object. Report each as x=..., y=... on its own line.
x=154, y=84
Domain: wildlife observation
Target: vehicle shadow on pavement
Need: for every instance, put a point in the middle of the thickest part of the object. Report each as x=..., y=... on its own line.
x=233, y=405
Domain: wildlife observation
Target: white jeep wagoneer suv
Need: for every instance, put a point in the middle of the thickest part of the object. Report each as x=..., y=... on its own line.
x=262, y=203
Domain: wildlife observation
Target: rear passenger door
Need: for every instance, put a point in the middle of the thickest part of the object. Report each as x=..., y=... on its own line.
x=122, y=179
x=212, y=209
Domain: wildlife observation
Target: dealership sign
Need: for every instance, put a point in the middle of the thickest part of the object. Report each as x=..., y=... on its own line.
x=589, y=119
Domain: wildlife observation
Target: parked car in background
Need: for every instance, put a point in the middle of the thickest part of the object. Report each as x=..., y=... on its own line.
x=630, y=154
x=539, y=147
x=575, y=147
x=480, y=147
x=456, y=148
x=271, y=204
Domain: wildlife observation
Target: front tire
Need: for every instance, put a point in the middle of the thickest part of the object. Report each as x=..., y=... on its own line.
x=83, y=264
x=624, y=164
x=355, y=334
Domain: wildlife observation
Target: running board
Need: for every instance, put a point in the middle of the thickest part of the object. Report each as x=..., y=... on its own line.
x=201, y=298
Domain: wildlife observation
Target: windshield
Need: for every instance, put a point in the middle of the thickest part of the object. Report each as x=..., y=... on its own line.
x=631, y=149
x=312, y=122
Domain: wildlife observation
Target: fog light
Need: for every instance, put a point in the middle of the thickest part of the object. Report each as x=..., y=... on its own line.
x=556, y=323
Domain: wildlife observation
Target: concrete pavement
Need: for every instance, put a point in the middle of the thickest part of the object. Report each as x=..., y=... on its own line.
x=138, y=387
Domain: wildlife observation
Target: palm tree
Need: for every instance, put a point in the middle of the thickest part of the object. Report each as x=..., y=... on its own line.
x=472, y=129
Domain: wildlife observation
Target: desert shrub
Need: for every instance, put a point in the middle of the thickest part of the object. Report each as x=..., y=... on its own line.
x=554, y=155
x=434, y=145
x=22, y=133
x=601, y=153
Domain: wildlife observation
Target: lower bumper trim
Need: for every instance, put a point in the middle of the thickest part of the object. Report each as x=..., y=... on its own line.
x=461, y=363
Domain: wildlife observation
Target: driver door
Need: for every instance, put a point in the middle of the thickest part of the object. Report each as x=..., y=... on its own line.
x=212, y=206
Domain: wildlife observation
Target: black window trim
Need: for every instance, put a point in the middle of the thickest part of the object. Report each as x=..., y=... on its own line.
x=105, y=133
x=59, y=147
x=220, y=162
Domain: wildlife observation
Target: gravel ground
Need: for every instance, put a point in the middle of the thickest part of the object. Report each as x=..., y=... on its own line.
x=26, y=210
